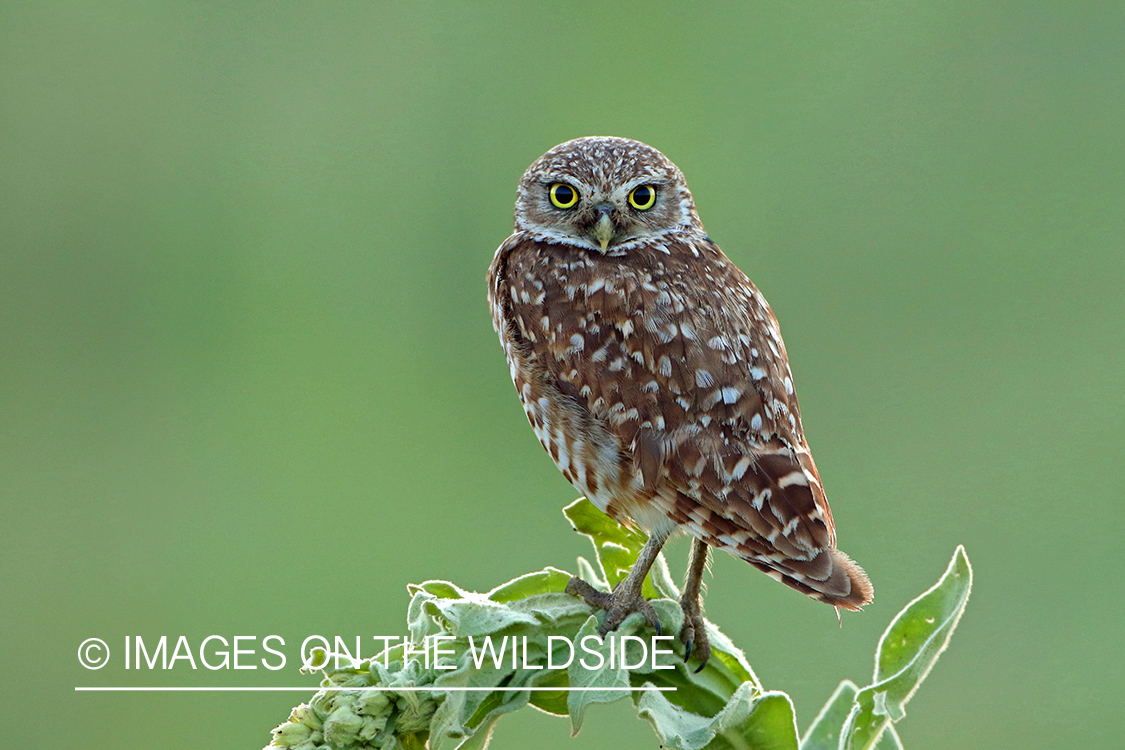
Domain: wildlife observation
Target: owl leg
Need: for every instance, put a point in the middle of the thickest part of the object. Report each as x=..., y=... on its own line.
x=626, y=597
x=694, y=632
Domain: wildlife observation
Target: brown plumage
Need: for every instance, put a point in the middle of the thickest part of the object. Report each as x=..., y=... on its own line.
x=653, y=371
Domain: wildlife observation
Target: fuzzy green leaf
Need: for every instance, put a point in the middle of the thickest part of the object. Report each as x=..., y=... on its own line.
x=660, y=578
x=596, y=671
x=587, y=573
x=889, y=740
x=907, y=652
x=527, y=633
x=824, y=733
x=547, y=581
x=479, y=739
x=750, y=719
x=549, y=701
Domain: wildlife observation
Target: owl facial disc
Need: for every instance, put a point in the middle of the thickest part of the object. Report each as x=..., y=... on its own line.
x=606, y=195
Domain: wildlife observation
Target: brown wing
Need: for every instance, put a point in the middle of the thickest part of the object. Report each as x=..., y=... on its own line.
x=677, y=353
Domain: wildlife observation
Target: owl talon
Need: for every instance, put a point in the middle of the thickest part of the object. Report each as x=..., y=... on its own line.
x=617, y=605
x=584, y=591
x=694, y=635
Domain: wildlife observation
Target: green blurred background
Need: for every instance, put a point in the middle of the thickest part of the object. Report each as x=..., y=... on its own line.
x=249, y=385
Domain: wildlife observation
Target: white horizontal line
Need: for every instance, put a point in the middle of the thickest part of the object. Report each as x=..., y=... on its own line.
x=138, y=689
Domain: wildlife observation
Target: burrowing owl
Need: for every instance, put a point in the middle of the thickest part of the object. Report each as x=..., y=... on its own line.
x=654, y=373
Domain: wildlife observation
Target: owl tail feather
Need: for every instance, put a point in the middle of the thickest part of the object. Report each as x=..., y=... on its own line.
x=830, y=577
x=859, y=591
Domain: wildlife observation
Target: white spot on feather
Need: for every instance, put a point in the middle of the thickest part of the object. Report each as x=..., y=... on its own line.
x=794, y=477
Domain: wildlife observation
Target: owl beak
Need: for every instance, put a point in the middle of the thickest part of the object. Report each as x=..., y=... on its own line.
x=604, y=229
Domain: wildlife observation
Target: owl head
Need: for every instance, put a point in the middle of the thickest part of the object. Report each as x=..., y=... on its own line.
x=604, y=194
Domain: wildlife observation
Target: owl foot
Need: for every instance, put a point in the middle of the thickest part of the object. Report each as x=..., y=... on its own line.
x=618, y=605
x=694, y=633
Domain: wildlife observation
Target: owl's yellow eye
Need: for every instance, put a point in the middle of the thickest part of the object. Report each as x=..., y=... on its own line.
x=563, y=195
x=643, y=197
